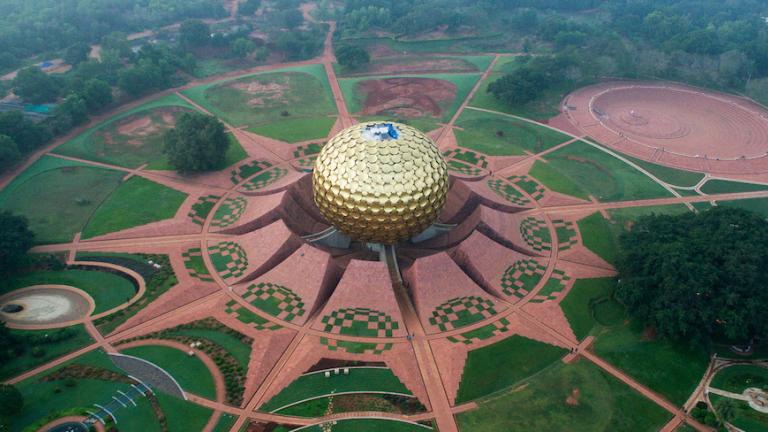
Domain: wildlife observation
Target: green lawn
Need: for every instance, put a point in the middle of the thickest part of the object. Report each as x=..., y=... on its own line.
x=464, y=82
x=316, y=384
x=498, y=135
x=136, y=202
x=598, y=403
x=58, y=200
x=725, y=186
x=671, y=368
x=672, y=176
x=579, y=305
x=594, y=172
x=485, y=372
x=600, y=236
x=108, y=290
x=260, y=102
x=418, y=63
x=745, y=418
x=738, y=378
x=370, y=425
x=110, y=143
x=757, y=205
x=183, y=415
x=239, y=350
x=225, y=423
x=189, y=371
x=66, y=340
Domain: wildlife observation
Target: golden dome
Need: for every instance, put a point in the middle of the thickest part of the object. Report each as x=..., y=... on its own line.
x=380, y=182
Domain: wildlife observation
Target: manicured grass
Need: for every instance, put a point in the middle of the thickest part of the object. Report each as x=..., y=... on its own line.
x=105, y=143
x=108, y=290
x=745, y=418
x=189, y=371
x=600, y=236
x=599, y=174
x=757, y=205
x=302, y=92
x=547, y=175
x=464, y=82
x=413, y=63
x=484, y=373
x=58, y=202
x=498, y=135
x=580, y=303
x=738, y=378
x=225, y=423
x=725, y=186
x=136, y=202
x=239, y=350
x=308, y=386
x=183, y=415
x=672, y=176
x=370, y=425
x=670, y=368
x=235, y=154
x=602, y=403
x=76, y=337
x=627, y=216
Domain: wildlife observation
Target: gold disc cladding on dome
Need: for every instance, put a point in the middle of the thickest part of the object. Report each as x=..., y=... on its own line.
x=380, y=182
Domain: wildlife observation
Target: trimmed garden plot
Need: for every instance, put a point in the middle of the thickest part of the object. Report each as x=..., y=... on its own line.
x=581, y=304
x=581, y=170
x=738, y=378
x=370, y=425
x=293, y=104
x=498, y=135
x=136, y=202
x=433, y=97
x=484, y=374
x=757, y=205
x=182, y=415
x=41, y=346
x=58, y=199
x=420, y=63
x=672, y=369
x=357, y=402
x=600, y=236
x=672, y=176
x=108, y=290
x=314, y=385
x=578, y=397
x=189, y=371
x=131, y=138
x=745, y=418
x=725, y=186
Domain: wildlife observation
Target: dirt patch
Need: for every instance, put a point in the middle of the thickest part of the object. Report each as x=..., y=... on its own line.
x=135, y=129
x=411, y=65
x=137, y=125
x=381, y=50
x=407, y=97
x=271, y=92
x=573, y=398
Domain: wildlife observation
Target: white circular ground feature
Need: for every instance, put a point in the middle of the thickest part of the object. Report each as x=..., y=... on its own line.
x=46, y=305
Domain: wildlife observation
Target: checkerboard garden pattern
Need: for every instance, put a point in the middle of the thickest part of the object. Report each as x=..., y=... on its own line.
x=533, y=188
x=246, y=170
x=201, y=208
x=359, y=322
x=469, y=157
x=535, y=232
x=521, y=277
x=193, y=262
x=506, y=191
x=554, y=287
x=307, y=150
x=461, y=311
x=236, y=310
x=482, y=333
x=229, y=212
x=566, y=234
x=275, y=300
x=229, y=259
x=265, y=179
x=355, y=347
x=462, y=168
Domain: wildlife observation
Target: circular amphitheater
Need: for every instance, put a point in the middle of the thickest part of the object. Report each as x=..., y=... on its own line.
x=674, y=125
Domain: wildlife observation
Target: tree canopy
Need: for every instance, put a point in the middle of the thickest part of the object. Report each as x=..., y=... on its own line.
x=35, y=86
x=352, y=57
x=197, y=143
x=15, y=240
x=11, y=400
x=697, y=276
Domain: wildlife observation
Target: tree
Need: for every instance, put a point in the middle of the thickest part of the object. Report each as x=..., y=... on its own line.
x=15, y=240
x=292, y=18
x=96, y=94
x=35, y=86
x=697, y=276
x=9, y=152
x=27, y=134
x=197, y=143
x=241, y=47
x=249, y=7
x=71, y=112
x=352, y=57
x=77, y=53
x=193, y=34
x=11, y=401
x=734, y=68
x=726, y=409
